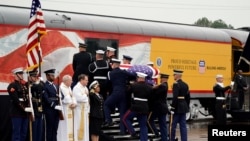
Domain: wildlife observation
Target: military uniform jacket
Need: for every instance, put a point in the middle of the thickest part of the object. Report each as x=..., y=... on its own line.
x=37, y=91
x=80, y=63
x=219, y=90
x=18, y=92
x=141, y=92
x=99, y=70
x=118, y=79
x=96, y=106
x=159, y=99
x=50, y=96
x=181, y=97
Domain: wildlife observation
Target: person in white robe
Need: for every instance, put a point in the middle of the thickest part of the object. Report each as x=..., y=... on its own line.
x=68, y=103
x=81, y=112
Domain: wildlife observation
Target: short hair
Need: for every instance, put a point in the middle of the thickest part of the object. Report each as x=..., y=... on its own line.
x=66, y=77
x=82, y=76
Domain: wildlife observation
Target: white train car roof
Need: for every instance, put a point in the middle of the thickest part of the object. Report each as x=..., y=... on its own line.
x=100, y=23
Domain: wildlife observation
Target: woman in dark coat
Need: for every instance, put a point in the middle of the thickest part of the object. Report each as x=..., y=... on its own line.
x=96, y=111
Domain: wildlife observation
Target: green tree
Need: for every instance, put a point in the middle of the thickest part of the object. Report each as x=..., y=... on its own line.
x=204, y=22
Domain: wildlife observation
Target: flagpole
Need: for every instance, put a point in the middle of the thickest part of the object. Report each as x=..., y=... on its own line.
x=39, y=55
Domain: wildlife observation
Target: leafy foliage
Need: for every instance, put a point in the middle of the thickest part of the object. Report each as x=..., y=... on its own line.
x=204, y=22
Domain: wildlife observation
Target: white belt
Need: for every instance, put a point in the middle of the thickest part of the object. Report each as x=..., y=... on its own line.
x=220, y=98
x=21, y=99
x=100, y=77
x=140, y=99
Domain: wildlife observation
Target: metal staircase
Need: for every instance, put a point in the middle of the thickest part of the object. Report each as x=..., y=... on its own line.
x=113, y=131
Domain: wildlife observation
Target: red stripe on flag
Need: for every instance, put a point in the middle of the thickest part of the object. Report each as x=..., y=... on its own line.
x=36, y=26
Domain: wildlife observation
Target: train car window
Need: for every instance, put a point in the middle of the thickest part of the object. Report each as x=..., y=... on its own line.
x=97, y=43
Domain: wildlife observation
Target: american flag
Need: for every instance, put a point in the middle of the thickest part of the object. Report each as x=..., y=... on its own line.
x=144, y=69
x=36, y=30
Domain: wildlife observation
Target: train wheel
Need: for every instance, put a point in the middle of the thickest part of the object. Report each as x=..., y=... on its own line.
x=194, y=108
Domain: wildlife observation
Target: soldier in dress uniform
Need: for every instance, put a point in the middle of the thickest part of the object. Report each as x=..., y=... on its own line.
x=37, y=92
x=155, y=71
x=96, y=111
x=81, y=61
x=126, y=62
x=141, y=92
x=19, y=111
x=98, y=71
x=109, y=54
x=179, y=106
x=159, y=107
x=52, y=106
x=220, y=105
x=118, y=97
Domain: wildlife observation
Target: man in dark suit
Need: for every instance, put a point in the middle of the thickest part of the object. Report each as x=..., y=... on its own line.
x=81, y=61
x=180, y=106
x=51, y=106
x=241, y=87
x=159, y=107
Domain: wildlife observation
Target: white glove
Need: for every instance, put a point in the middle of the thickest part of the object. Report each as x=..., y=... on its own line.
x=172, y=112
x=58, y=108
x=28, y=109
x=232, y=83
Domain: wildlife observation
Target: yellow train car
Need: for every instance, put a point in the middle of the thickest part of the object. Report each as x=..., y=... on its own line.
x=201, y=52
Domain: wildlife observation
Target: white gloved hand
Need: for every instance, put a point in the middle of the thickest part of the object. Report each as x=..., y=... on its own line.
x=28, y=109
x=58, y=108
x=170, y=107
x=172, y=112
x=232, y=83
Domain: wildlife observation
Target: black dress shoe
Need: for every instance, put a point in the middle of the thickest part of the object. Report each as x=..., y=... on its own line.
x=107, y=124
x=134, y=135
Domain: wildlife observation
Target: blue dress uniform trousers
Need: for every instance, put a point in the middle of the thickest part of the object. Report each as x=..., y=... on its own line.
x=52, y=121
x=162, y=123
x=111, y=102
x=142, y=119
x=37, y=129
x=19, y=128
x=181, y=119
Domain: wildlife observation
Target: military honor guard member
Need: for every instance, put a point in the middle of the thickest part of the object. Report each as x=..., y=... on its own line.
x=155, y=70
x=139, y=107
x=179, y=106
x=37, y=91
x=109, y=54
x=159, y=107
x=220, y=105
x=81, y=61
x=68, y=104
x=52, y=106
x=19, y=110
x=118, y=97
x=96, y=111
x=81, y=112
x=99, y=70
x=126, y=62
